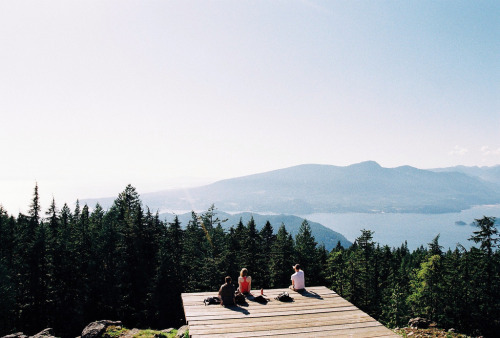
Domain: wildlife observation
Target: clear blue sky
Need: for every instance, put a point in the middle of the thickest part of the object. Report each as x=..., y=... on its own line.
x=98, y=94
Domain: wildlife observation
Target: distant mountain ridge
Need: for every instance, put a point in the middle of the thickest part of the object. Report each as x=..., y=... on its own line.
x=314, y=188
x=322, y=234
x=489, y=174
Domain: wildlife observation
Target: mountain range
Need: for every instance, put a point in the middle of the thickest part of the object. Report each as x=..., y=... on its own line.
x=315, y=188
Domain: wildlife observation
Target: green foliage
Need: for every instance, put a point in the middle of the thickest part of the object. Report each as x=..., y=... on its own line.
x=114, y=331
x=118, y=331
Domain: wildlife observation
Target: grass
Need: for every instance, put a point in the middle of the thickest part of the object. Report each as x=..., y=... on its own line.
x=115, y=331
x=118, y=331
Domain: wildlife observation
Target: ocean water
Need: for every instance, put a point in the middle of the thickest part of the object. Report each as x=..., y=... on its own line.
x=417, y=229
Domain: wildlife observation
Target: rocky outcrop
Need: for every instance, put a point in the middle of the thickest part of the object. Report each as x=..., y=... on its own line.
x=16, y=335
x=182, y=330
x=97, y=329
x=47, y=333
x=419, y=323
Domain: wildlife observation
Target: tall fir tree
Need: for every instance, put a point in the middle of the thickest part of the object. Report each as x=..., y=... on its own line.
x=282, y=258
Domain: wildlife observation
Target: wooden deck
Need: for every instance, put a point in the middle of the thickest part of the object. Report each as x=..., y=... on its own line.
x=319, y=312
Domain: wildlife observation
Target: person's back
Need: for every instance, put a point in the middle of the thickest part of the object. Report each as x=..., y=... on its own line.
x=226, y=293
x=298, y=279
x=244, y=282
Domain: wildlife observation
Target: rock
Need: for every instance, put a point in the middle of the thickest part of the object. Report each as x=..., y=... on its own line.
x=97, y=329
x=16, y=335
x=49, y=332
x=182, y=330
x=419, y=323
x=168, y=330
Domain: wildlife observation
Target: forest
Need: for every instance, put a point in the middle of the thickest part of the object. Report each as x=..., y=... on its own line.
x=64, y=268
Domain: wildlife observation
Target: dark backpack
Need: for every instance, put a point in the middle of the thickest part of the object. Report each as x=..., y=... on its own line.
x=211, y=300
x=240, y=298
x=284, y=297
x=261, y=299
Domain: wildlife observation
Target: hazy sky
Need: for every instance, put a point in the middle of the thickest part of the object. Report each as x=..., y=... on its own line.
x=98, y=94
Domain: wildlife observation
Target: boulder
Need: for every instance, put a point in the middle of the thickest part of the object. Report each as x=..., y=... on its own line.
x=419, y=323
x=182, y=330
x=47, y=333
x=97, y=329
x=16, y=335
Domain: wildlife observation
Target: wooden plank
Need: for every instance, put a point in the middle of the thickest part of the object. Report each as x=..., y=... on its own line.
x=369, y=332
x=288, y=313
x=281, y=324
x=270, y=307
x=304, y=330
x=258, y=320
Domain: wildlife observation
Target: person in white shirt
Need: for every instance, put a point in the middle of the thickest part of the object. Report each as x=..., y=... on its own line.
x=298, y=280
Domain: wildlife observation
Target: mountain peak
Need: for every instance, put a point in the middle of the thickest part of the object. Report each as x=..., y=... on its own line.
x=366, y=164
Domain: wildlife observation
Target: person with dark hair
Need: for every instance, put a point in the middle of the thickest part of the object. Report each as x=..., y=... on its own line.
x=298, y=279
x=244, y=282
x=226, y=293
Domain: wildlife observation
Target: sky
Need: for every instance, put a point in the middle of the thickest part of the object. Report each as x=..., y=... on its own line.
x=95, y=95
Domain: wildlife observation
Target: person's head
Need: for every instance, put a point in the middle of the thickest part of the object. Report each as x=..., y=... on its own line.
x=244, y=272
x=228, y=280
x=296, y=267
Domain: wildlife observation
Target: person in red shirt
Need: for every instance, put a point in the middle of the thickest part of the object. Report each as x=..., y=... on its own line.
x=244, y=282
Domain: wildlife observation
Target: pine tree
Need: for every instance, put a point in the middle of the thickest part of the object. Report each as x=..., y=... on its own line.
x=267, y=239
x=367, y=271
x=7, y=286
x=250, y=253
x=336, y=269
x=306, y=253
x=195, y=245
x=488, y=273
x=170, y=280
x=282, y=259
x=32, y=253
x=426, y=297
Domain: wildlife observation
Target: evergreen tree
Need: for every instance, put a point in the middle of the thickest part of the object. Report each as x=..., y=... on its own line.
x=250, y=253
x=195, y=243
x=306, y=253
x=282, y=259
x=489, y=285
x=216, y=257
x=7, y=286
x=367, y=270
x=267, y=239
x=170, y=280
x=336, y=269
x=30, y=249
x=426, y=297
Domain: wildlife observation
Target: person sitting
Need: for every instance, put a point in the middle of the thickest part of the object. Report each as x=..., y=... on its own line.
x=298, y=279
x=226, y=293
x=244, y=282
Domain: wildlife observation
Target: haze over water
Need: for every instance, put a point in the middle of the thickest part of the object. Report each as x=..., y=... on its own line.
x=417, y=229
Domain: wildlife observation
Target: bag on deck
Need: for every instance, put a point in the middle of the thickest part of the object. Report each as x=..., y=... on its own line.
x=211, y=300
x=240, y=298
x=261, y=299
x=284, y=297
